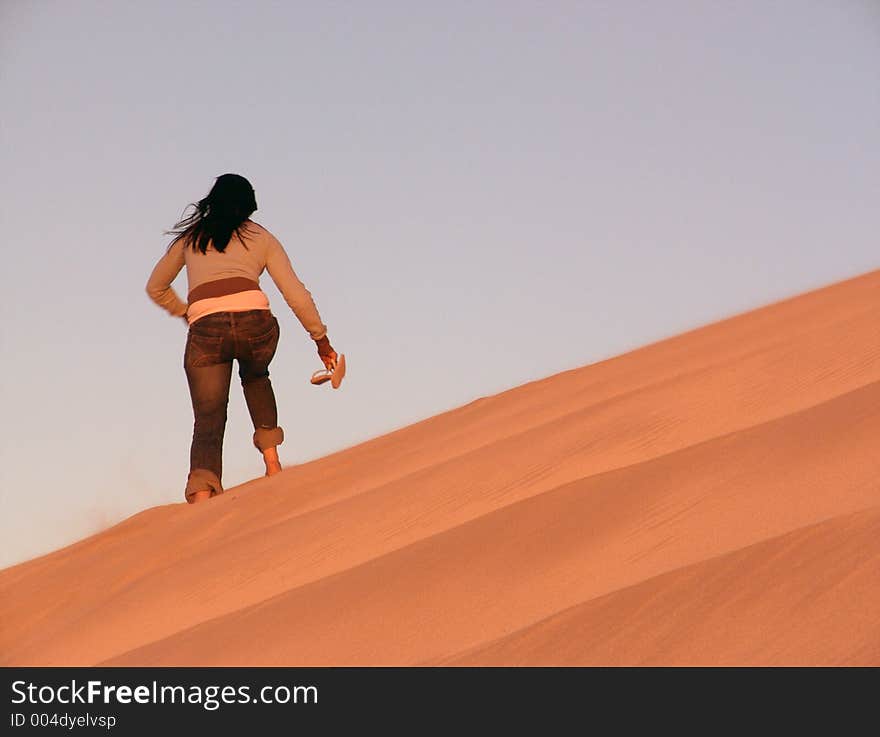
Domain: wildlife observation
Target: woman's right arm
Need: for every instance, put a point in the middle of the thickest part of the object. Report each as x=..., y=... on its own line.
x=298, y=298
x=159, y=284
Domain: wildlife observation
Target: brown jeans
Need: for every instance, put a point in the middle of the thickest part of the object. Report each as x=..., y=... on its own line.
x=214, y=341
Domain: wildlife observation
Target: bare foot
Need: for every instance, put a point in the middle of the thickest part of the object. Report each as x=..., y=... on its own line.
x=201, y=496
x=270, y=458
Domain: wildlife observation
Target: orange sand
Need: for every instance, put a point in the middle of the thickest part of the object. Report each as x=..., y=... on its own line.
x=713, y=498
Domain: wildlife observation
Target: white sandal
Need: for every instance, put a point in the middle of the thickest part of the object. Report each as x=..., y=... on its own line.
x=334, y=375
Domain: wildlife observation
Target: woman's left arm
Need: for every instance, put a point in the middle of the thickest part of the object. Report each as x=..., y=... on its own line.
x=159, y=286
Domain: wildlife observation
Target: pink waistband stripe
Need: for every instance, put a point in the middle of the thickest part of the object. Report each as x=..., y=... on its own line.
x=252, y=299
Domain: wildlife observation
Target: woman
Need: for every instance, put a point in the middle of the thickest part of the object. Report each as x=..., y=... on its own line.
x=229, y=318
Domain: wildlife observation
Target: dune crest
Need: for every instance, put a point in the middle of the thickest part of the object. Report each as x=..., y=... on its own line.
x=711, y=498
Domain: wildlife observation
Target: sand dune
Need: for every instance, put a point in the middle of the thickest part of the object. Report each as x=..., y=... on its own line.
x=737, y=608
x=710, y=498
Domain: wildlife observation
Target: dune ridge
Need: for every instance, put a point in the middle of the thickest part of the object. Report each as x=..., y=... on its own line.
x=542, y=525
x=683, y=617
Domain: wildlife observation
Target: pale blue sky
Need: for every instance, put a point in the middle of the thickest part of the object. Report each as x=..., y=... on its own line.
x=477, y=194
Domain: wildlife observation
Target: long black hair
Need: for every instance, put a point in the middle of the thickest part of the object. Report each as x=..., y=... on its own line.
x=224, y=211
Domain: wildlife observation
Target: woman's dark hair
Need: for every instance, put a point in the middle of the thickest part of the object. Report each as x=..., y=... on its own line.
x=221, y=213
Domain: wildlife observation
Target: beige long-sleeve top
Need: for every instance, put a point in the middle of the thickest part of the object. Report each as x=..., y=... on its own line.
x=264, y=252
